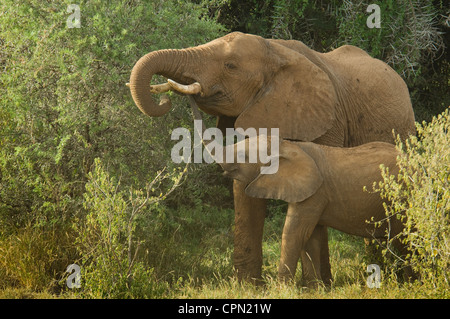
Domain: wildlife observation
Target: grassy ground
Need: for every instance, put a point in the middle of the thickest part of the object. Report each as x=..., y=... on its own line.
x=208, y=273
x=348, y=262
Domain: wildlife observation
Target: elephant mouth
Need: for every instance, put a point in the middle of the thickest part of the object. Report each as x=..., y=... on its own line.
x=216, y=98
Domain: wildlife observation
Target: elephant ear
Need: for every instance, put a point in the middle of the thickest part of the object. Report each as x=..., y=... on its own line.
x=297, y=178
x=300, y=99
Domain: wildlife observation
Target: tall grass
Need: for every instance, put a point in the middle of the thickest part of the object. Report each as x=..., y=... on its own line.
x=31, y=258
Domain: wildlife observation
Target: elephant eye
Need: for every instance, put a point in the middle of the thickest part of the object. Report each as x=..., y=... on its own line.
x=230, y=66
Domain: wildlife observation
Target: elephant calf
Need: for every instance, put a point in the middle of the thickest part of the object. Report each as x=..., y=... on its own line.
x=323, y=186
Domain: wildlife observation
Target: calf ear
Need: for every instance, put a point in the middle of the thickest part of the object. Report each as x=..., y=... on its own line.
x=297, y=178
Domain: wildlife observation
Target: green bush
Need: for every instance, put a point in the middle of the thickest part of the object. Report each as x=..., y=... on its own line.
x=64, y=100
x=421, y=197
x=106, y=241
x=64, y=103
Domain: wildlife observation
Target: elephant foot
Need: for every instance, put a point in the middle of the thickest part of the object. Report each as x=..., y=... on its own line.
x=249, y=272
x=286, y=275
x=313, y=285
x=309, y=283
x=327, y=282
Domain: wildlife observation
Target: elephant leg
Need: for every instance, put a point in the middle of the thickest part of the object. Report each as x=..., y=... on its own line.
x=250, y=214
x=325, y=267
x=311, y=260
x=301, y=220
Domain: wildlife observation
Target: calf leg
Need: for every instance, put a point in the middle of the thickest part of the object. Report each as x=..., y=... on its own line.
x=311, y=261
x=320, y=246
x=301, y=220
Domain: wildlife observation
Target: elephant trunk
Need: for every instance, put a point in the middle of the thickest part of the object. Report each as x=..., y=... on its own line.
x=166, y=63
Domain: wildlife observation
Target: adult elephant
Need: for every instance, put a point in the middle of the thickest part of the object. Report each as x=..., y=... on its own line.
x=342, y=98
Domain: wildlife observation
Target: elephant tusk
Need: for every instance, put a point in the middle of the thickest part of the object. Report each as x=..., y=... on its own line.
x=160, y=88
x=190, y=89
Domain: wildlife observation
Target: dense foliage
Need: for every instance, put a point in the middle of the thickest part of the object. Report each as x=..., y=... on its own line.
x=420, y=196
x=64, y=104
x=79, y=163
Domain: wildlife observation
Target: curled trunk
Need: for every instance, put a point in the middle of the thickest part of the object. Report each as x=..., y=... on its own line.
x=164, y=62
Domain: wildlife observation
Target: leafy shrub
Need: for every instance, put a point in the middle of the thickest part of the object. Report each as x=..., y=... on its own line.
x=64, y=103
x=106, y=241
x=421, y=197
x=64, y=100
